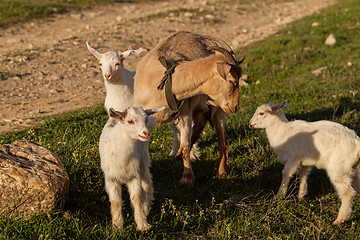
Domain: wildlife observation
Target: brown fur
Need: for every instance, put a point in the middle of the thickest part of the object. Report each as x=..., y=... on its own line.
x=196, y=79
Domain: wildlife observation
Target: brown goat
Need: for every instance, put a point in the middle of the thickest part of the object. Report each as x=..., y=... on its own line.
x=207, y=80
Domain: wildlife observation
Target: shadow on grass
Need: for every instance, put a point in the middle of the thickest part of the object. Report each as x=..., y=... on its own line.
x=345, y=106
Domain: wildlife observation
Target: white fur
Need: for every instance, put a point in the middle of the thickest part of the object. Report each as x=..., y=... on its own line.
x=119, y=82
x=125, y=159
x=323, y=144
x=119, y=85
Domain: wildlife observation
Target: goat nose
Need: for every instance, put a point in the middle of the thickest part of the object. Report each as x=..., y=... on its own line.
x=236, y=108
x=146, y=134
x=107, y=76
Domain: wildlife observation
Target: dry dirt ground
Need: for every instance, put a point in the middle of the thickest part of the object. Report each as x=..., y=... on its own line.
x=45, y=67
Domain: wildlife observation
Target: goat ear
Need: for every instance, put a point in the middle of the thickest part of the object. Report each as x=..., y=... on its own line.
x=118, y=115
x=152, y=111
x=129, y=52
x=279, y=106
x=223, y=69
x=94, y=51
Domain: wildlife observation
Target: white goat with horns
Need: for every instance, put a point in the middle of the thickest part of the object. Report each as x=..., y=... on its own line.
x=323, y=144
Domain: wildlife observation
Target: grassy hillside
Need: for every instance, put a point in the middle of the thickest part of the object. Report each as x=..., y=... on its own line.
x=14, y=11
x=241, y=205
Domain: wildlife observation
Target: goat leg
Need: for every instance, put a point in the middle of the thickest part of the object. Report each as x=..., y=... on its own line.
x=218, y=121
x=188, y=178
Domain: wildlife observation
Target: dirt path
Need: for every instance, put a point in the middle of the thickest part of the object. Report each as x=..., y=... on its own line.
x=46, y=69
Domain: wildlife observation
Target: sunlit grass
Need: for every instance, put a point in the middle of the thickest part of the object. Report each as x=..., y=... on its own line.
x=240, y=205
x=14, y=11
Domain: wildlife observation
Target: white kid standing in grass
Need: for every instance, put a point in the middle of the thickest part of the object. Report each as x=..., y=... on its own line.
x=323, y=144
x=125, y=159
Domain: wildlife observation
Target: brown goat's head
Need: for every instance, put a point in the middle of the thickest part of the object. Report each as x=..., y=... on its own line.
x=226, y=94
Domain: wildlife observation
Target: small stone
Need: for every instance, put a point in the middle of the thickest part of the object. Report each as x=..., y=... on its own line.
x=77, y=16
x=315, y=24
x=349, y=64
x=188, y=14
x=319, y=70
x=330, y=40
x=92, y=14
x=7, y=120
x=210, y=17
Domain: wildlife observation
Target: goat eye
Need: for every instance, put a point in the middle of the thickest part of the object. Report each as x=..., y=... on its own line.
x=131, y=122
x=100, y=64
x=117, y=64
x=261, y=113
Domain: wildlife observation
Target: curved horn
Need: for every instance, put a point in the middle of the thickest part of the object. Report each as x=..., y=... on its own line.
x=222, y=43
x=241, y=61
x=226, y=53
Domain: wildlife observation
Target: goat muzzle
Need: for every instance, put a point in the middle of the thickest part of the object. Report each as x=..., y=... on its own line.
x=145, y=135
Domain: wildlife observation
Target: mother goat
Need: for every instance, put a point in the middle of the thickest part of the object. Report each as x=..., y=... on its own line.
x=206, y=76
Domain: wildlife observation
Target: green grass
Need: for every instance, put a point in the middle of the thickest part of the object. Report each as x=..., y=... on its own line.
x=14, y=11
x=241, y=205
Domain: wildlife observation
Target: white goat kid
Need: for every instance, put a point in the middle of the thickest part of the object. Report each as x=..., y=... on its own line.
x=323, y=144
x=125, y=159
x=119, y=82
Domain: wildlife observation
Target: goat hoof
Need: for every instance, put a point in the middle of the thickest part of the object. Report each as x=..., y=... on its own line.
x=186, y=183
x=188, y=179
x=337, y=222
x=117, y=227
x=223, y=171
x=143, y=227
x=222, y=174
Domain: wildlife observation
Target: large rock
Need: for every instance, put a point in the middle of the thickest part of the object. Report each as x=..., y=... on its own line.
x=32, y=180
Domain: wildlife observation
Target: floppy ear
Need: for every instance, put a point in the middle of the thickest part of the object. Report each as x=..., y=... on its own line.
x=118, y=115
x=94, y=51
x=129, y=52
x=279, y=106
x=152, y=111
x=223, y=69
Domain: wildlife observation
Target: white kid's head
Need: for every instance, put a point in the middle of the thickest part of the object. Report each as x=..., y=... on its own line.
x=134, y=121
x=265, y=112
x=111, y=63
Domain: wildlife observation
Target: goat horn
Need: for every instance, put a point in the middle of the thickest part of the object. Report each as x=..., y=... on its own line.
x=230, y=57
x=241, y=61
x=222, y=43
